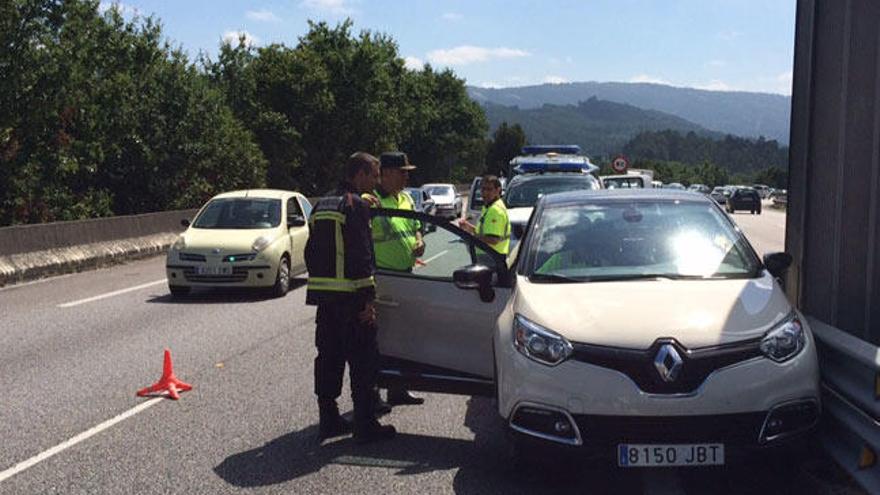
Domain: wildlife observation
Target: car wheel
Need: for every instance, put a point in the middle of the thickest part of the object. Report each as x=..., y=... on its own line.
x=282, y=279
x=178, y=290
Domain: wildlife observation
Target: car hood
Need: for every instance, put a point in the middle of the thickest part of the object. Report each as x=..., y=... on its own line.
x=230, y=241
x=519, y=215
x=633, y=314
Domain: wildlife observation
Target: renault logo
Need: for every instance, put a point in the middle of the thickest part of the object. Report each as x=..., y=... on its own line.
x=216, y=250
x=668, y=363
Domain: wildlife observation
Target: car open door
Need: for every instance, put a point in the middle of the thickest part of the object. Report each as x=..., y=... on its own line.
x=435, y=335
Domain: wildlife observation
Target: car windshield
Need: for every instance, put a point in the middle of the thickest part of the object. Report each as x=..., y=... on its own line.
x=623, y=183
x=441, y=191
x=526, y=193
x=416, y=195
x=240, y=213
x=637, y=239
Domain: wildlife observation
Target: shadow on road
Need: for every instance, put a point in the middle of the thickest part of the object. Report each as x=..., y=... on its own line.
x=224, y=295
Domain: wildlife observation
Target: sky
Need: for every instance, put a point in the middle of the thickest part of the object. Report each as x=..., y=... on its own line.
x=727, y=45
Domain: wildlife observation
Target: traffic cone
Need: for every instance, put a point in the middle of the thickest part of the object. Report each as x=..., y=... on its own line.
x=168, y=383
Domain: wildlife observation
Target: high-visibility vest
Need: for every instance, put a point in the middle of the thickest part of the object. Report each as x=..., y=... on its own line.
x=394, y=238
x=325, y=256
x=495, y=222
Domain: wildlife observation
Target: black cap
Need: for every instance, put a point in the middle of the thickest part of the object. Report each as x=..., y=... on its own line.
x=395, y=159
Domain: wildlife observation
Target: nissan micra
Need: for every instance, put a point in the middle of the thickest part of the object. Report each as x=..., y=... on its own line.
x=635, y=325
x=249, y=238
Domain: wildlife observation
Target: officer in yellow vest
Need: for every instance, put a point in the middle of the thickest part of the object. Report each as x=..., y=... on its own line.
x=397, y=241
x=493, y=228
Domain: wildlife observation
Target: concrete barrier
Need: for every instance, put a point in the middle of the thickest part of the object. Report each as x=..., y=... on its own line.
x=33, y=251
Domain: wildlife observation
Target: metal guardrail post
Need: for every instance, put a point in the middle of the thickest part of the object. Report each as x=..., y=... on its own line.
x=851, y=400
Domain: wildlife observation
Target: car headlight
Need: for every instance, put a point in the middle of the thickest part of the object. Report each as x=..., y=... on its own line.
x=260, y=243
x=179, y=244
x=784, y=341
x=538, y=343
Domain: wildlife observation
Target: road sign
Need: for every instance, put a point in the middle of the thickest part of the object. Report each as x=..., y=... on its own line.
x=620, y=164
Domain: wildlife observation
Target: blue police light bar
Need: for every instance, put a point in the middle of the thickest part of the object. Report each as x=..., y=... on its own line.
x=553, y=163
x=541, y=149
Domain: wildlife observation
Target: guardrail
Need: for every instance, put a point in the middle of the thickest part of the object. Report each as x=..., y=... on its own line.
x=851, y=401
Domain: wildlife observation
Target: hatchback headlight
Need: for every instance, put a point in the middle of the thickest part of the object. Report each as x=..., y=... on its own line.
x=784, y=341
x=260, y=243
x=538, y=343
x=179, y=244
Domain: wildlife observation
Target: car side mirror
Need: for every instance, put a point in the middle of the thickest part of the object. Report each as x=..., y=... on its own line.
x=777, y=263
x=295, y=221
x=476, y=277
x=184, y=222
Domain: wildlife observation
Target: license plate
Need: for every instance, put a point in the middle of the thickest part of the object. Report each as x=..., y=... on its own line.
x=699, y=454
x=214, y=270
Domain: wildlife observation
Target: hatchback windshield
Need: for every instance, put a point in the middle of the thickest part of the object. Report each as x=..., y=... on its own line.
x=240, y=213
x=620, y=240
x=526, y=193
x=441, y=191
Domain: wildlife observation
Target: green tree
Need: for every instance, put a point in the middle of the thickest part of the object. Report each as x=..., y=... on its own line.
x=506, y=143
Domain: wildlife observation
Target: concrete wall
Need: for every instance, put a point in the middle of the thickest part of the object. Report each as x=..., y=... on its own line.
x=834, y=176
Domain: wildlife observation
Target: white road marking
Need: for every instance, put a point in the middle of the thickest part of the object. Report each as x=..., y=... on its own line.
x=432, y=258
x=111, y=294
x=21, y=466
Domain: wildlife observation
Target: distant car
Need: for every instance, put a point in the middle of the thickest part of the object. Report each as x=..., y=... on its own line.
x=744, y=198
x=763, y=190
x=447, y=199
x=525, y=190
x=251, y=238
x=628, y=181
x=675, y=185
x=657, y=184
x=720, y=194
x=700, y=188
x=422, y=200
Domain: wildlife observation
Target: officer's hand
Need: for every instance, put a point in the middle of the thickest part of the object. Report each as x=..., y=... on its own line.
x=466, y=226
x=419, y=249
x=373, y=200
x=368, y=314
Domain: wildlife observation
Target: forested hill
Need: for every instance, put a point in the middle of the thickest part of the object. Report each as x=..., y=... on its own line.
x=728, y=112
x=736, y=155
x=600, y=127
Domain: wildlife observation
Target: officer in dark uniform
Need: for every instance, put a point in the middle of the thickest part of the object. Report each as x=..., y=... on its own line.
x=339, y=257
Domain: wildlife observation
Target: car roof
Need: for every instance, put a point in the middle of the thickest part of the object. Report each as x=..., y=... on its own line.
x=588, y=196
x=256, y=193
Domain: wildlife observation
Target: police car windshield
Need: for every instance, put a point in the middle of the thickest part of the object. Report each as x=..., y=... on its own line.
x=240, y=213
x=631, y=240
x=525, y=193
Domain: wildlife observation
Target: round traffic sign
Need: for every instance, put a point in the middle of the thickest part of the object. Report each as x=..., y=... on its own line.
x=620, y=164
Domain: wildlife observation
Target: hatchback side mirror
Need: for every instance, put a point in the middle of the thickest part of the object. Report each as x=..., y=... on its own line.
x=477, y=277
x=295, y=221
x=777, y=263
x=184, y=222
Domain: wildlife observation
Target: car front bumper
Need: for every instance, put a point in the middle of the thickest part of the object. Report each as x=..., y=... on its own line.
x=255, y=273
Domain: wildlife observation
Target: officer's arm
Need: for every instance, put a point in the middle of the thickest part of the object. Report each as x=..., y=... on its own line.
x=360, y=262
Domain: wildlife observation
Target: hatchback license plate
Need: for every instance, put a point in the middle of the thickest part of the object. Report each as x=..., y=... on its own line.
x=215, y=270
x=698, y=454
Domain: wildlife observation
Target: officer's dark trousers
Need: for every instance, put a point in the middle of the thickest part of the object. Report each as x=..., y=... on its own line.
x=341, y=338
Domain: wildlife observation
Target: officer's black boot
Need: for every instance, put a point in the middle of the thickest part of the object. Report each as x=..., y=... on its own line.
x=331, y=423
x=366, y=428
x=402, y=397
x=380, y=407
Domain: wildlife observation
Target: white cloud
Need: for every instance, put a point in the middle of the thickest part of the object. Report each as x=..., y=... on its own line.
x=452, y=16
x=467, y=54
x=232, y=38
x=645, y=78
x=783, y=82
x=715, y=85
x=262, y=16
x=332, y=7
x=489, y=85
x=413, y=63
x=555, y=80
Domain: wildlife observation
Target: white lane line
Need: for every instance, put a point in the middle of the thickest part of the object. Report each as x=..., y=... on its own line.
x=21, y=466
x=111, y=294
x=432, y=258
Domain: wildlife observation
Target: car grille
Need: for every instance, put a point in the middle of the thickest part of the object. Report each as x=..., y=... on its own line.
x=638, y=365
x=238, y=275
x=742, y=429
x=192, y=257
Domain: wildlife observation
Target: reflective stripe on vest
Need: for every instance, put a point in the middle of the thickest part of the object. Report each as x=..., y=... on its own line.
x=340, y=284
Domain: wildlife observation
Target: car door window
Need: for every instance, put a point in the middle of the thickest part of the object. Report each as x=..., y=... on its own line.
x=293, y=208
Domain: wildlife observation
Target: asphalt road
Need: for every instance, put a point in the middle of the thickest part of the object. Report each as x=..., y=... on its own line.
x=72, y=360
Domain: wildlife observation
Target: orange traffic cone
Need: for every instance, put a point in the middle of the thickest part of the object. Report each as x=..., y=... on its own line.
x=168, y=383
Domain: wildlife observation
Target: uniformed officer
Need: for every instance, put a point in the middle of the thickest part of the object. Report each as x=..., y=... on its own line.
x=397, y=241
x=493, y=228
x=341, y=264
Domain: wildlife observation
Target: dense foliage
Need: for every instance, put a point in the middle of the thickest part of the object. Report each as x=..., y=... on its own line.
x=100, y=116
x=507, y=142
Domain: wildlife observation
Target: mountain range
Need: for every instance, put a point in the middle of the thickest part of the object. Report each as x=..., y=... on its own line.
x=739, y=113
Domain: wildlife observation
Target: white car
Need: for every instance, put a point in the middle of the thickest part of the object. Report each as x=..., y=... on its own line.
x=250, y=238
x=635, y=325
x=448, y=201
x=525, y=190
